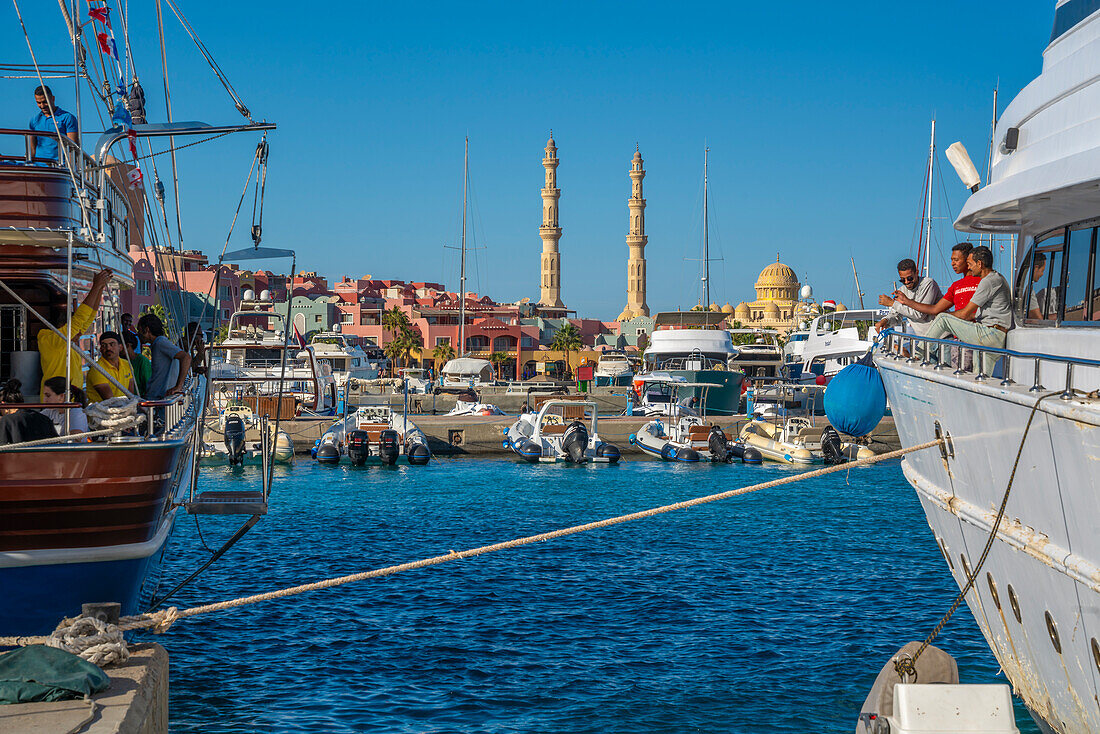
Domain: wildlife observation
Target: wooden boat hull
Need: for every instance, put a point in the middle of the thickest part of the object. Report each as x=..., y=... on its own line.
x=83, y=523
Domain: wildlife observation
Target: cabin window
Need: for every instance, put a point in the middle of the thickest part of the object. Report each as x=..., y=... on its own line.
x=1078, y=274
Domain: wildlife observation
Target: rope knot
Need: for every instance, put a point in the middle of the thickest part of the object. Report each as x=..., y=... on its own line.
x=904, y=665
x=94, y=640
x=164, y=619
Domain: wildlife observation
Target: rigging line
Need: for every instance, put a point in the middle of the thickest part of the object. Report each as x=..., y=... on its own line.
x=123, y=12
x=209, y=59
x=171, y=138
x=62, y=149
x=166, y=150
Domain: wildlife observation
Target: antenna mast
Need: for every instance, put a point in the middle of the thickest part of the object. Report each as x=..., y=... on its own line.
x=928, y=199
x=858, y=291
x=462, y=272
x=706, y=242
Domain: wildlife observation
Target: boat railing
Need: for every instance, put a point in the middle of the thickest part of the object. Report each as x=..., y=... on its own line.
x=173, y=415
x=28, y=158
x=969, y=359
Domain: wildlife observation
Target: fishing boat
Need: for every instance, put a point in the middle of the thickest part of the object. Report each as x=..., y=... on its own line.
x=691, y=345
x=373, y=435
x=560, y=430
x=85, y=521
x=1025, y=434
x=613, y=369
x=684, y=435
x=249, y=368
x=234, y=448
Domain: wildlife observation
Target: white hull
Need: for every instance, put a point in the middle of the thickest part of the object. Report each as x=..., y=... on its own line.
x=1047, y=546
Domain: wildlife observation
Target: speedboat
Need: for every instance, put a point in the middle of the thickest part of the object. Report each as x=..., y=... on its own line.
x=613, y=368
x=560, y=430
x=234, y=448
x=373, y=434
x=832, y=342
x=798, y=441
x=413, y=380
x=683, y=435
x=759, y=356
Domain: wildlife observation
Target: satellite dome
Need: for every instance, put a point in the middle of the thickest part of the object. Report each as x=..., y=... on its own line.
x=806, y=293
x=265, y=295
x=248, y=294
x=336, y=328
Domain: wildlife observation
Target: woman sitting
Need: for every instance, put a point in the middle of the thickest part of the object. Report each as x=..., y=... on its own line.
x=20, y=424
x=53, y=391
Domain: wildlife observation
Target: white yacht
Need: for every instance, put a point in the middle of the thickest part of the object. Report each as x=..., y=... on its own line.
x=613, y=368
x=759, y=356
x=688, y=345
x=247, y=368
x=345, y=359
x=1035, y=424
x=833, y=342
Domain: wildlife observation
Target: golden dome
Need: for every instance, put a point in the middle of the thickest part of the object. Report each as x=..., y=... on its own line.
x=727, y=308
x=771, y=310
x=841, y=307
x=716, y=308
x=742, y=309
x=777, y=275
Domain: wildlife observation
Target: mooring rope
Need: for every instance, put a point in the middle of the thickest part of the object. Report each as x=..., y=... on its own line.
x=162, y=620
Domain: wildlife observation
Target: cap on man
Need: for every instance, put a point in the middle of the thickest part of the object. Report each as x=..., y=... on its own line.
x=114, y=364
x=51, y=119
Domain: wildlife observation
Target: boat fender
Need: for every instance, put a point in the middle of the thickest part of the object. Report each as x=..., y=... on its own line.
x=527, y=449
x=610, y=452
x=751, y=455
x=358, y=447
x=831, y=450
x=855, y=399
x=389, y=447
x=234, y=439
x=313, y=449
x=687, y=455
x=633, y=439
x=933, y=666
x=328, y=455
x=575, y=442
x=419, y=454
x=668, y=452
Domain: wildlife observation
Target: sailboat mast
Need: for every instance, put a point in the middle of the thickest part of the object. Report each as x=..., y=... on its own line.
x=462, y=272
x=706, y=241
x=856, y=276
x=928, y=199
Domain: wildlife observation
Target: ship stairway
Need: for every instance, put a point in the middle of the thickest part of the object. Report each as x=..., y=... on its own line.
x=221, y=502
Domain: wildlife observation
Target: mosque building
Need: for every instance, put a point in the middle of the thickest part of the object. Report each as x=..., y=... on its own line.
x=776, y=304
x=636, y=241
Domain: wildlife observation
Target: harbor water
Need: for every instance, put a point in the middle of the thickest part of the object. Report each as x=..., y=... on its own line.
x=770, y=612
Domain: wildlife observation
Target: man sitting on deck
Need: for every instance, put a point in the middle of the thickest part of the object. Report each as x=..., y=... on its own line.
x=51, y=120
x=51, y=347
x=993, y=297
x=960, y=292
x=111, y=362
x=914, y=288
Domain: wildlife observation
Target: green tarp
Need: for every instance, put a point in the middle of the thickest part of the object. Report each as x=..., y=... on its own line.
x=40, y=673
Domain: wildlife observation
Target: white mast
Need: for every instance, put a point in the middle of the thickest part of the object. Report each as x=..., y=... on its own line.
x=928, y=198
x=462, y=273
x=706, y=243
x=856, y=276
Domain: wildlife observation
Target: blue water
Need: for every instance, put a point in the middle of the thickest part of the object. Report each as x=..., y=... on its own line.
x=771, y=612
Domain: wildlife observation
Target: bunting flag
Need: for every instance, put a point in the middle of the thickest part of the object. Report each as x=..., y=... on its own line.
x=99, y=12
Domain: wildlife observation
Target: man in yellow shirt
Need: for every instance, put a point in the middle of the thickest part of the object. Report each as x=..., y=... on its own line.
x=111, y=362
x=51, y=347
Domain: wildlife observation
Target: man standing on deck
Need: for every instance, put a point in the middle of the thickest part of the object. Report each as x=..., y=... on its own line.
x=164, y=352
x=960, y=292
x=992, y=296
x=51, y=347
x=51, y=120
x=916, y=288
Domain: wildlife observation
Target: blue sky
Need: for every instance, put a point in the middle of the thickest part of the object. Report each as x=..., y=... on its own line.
x=816, y=114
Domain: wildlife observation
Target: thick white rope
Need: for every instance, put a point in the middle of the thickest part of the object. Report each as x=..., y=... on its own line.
x=98, y=642
x=162, y=620
x=133, y=421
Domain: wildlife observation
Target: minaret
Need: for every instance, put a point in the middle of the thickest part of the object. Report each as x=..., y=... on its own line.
x=550, y=285
x=636, y=241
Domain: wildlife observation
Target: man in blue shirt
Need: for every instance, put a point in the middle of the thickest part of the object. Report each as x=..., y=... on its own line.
x=45, y=146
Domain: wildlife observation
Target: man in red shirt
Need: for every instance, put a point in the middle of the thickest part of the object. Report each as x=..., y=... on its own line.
x=960, y=292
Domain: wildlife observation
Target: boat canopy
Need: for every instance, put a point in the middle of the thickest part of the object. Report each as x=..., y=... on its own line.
x=689, y=341
x=697, y=319
x=469, y=367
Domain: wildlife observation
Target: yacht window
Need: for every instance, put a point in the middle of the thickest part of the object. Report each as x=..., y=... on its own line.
x=1022, y=290
x=1046, y=279
x=1078, y=275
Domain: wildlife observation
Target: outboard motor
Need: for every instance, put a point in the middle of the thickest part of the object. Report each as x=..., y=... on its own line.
x=575, y=442
x=234, y=439
x=610, y=452
x=719, y=445
x=328, y=454
x=527, y=449
x=830, y=447
x=358, y=447
x=390, y=447
x=419, y=454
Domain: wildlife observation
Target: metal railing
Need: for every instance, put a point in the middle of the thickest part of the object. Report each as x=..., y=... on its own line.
x=969, y=359
x=171, y=417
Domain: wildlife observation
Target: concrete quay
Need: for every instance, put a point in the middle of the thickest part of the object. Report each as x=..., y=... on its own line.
x=135, y=703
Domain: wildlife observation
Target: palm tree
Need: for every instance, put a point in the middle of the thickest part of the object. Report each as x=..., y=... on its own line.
x=443, y=353
x=392, y=349
x=567, y=339
x=394, y=320
x=497, y=358
x=410, y=341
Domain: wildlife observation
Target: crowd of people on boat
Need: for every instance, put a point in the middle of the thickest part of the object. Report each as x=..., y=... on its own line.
x=976, y=309
x=137, y=362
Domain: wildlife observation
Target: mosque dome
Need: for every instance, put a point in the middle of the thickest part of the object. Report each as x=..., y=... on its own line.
x=841, y=307
x=742, y=310
x=777, y=282
x=716, y=308
x=727, y=308
x=771, y=310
